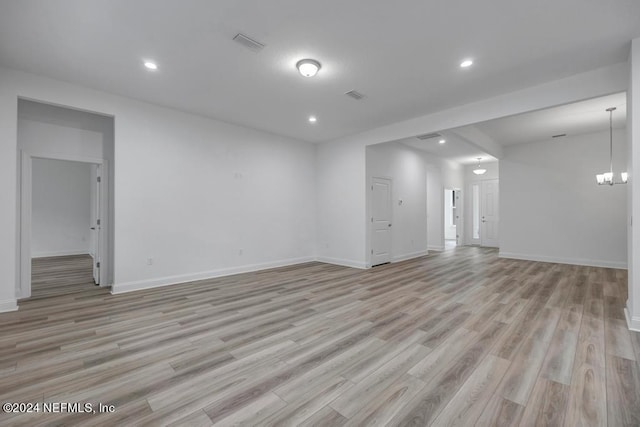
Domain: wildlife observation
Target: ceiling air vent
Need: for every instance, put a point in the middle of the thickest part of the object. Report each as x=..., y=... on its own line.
x=428, y=136
x=248, y=42
x=355, y=95
x=560, y=135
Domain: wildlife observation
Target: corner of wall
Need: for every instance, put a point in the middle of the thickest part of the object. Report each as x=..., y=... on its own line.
x=8, y=305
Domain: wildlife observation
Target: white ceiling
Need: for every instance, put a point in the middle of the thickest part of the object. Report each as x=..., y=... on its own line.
x=402, y=55
x=455, y=149
x=573, y=119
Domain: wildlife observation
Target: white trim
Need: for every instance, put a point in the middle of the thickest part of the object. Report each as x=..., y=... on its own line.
x=559, y=260
x=8, y=305
x=435, y=248
x=343, y=262
x=63, y=156
x=59, y=253
x=23, y=279
x=633, y=322
x=121, y=288
x=410, y=256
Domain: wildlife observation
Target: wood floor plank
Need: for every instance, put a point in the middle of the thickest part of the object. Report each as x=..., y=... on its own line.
x=381, y=409
x=456, y=337
x=357, y=397
x=547, y=404
x=500, y=412
x=587, y=396
x=469, y=402
x=623, y=391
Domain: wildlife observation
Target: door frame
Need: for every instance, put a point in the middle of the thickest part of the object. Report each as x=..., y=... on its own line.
x=483, y=193
x=369, y=216
x=459, y=220
x=23, y=284
x=479, y=182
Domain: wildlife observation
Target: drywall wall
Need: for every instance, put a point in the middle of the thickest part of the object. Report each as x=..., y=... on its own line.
x=60, y=208
x=407, y=170
x=551, y=208
x=50, y=129
x=633, y=191
x=435, y=209
x=341, y=186
x=197, y=197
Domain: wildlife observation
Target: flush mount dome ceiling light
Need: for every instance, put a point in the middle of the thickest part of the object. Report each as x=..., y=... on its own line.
x=442, y=141
x=479, y=170
x=150, y=65
x=466, y=63
x=308, y=67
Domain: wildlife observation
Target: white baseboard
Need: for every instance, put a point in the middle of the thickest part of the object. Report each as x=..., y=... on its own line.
x=435, y=248
x=342, y=262
x=559, y=260
x=137, y=285
x=412, y=255
x=633, y=322
x=8, y=305
x=58, y=253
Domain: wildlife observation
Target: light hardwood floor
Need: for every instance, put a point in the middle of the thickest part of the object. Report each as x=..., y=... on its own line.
x=51, y=276
x=461, y=337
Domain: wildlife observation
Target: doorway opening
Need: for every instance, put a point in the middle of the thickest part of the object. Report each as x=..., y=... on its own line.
x=65, y=227
x=452, y=218
x=66, y=201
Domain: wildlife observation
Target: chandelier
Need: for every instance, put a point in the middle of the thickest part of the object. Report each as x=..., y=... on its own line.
x=607, y=178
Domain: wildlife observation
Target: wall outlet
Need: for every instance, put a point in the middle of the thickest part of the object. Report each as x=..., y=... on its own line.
x=149, y=261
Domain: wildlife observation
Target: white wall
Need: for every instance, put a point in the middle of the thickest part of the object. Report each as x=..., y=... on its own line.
x=340, y=194
x=551, y=208
x=435, y=209
x=633, y=130
x=407, y=170
x=190, y=192
x=60, y=208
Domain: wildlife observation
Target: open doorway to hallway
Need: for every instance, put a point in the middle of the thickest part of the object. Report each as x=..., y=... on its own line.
x=65, y=229
x=65, y=168
x=452, y=217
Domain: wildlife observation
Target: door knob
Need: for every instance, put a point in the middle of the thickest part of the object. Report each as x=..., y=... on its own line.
x=389, y=224
x=93, y=228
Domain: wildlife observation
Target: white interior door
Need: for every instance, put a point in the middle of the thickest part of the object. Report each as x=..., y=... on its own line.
x=489, y=211
x=380, y=221
x=96, y=222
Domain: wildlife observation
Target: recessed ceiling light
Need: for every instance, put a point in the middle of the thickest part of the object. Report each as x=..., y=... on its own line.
x=308, y=67
x=150, y=65
x=442, y=141
x=466, y=63
x=312, y=119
